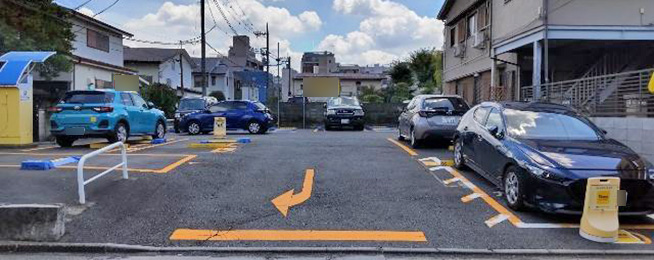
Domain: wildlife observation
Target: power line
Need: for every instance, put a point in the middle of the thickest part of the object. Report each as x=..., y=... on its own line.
x=243, y=12
x=222, y=13
x=107, y=8
x=83, y=4
x=236, y=16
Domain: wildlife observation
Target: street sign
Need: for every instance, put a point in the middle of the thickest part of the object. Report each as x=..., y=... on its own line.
x=219, y=127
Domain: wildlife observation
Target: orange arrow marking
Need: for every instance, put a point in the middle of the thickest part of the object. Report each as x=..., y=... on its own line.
x=288, y=199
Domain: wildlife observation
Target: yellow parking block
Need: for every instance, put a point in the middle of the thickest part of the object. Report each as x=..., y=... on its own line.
x=450, y=148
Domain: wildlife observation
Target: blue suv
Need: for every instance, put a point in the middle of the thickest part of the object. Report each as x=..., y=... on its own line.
x=110, y=114
x=248, y=115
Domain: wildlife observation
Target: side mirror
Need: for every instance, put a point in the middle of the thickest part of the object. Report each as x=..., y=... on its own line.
x=495, y=131
x=150, y=104
x=324, y=105
x=604, y=131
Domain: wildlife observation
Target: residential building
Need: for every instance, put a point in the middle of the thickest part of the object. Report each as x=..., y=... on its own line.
x=220, y=76
x=97, y=55
x=242, y=55
x=173, y=67
x=288, y=84
x=494, y=48
x=319, y=62
x=351, y=83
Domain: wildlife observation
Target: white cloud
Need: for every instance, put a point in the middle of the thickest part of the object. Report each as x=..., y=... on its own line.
x=174, y=22
x=388, y=31
x=86, y=11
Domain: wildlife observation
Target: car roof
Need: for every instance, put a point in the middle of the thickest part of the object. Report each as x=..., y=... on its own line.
x=438, y=96
x=532, y=106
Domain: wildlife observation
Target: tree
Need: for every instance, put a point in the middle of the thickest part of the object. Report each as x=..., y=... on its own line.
x=368, y=94
x=423, y=63
x=401, y=72
x=37, y=25
x=219, y=95
x=396, y=93
x=163, y=97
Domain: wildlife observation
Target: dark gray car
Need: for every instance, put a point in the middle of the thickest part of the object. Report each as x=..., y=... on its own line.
x=431, y=117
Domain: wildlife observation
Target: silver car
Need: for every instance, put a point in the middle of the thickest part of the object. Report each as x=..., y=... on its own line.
x=431, y=117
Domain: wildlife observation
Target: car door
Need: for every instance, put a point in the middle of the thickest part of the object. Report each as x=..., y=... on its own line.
x=217, y=110
x=492, y=147
x=147, y=118
x=405, y=117
x=471, y=136
x=133, y=113
x=236, y=115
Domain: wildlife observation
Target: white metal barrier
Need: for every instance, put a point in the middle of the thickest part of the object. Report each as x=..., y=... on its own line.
x=80, y=168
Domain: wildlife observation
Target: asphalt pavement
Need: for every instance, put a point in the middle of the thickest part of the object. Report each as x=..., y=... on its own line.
x=366, y=190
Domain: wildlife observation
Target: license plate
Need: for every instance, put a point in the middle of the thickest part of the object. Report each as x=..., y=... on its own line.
x=449, y=120
x=345, y=121
x=75, y=131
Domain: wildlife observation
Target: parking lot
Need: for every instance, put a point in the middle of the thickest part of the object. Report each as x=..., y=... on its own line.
x=292, y=187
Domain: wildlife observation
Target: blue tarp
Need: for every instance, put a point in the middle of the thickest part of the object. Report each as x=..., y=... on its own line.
x=16, y=62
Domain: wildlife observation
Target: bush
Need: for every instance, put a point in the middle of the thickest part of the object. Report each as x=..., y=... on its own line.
x=163, y=97
x=219, y=95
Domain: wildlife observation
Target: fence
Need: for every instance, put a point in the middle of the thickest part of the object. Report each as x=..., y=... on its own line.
x=375, y=114
x=614, y=95
x=80, y=168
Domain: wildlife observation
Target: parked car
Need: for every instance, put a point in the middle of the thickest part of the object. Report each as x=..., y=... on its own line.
x=297, y=100
x=110, y=114
x=249, y=115
x=191, y=105
x=541, y=155
x=344, y=111
x=431, y=117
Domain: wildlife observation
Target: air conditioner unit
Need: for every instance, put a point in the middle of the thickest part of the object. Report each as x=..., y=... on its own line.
x=458, y=50
x=479, y=40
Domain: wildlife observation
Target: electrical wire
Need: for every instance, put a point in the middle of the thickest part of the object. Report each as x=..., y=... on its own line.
x=81, y=5
x=107, y=8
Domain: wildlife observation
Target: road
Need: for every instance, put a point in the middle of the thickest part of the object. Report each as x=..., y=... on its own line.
x=366, y=186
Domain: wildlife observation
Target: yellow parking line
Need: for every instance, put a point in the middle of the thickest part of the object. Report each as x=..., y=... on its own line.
x=469, y=198
x=39, y=148
x=104, y=154
x=86, y=168
x=157, y=145
x=298, y=235
x=450, y=181
x=496, y=220
x=176, y=164
x=404, y=147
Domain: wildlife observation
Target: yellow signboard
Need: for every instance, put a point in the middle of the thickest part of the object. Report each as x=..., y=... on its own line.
x=599, y=221
x=650, y=86
x=219, y=127
x=126, y=82
x=321, y=86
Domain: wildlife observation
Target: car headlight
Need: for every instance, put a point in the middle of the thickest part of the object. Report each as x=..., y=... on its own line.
x=177, y=115
x=358, y=112
x=331, y=111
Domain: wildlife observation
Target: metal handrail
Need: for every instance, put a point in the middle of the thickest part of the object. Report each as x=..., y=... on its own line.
x=80, y=168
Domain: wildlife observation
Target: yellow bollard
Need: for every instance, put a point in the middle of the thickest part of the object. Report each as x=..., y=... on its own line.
x=219, y=127
x=600, y=222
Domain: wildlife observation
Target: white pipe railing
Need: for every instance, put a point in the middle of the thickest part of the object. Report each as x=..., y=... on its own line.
x=80, y=168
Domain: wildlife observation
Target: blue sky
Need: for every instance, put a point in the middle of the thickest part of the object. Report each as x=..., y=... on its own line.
x=358, y=31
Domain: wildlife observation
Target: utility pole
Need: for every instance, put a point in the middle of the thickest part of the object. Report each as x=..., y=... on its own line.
x=267, y=58
x=181, y=72
x=203, y=62
x=279, y=85
x=290, y=78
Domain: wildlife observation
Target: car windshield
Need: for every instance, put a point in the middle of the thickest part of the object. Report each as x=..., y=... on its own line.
x=343, y=101
x=260, y=106
x=547, y=126
x=191, y=104
x=88, y=97
x=444, y=103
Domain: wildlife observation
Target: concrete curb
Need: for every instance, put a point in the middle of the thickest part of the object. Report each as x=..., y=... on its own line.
x=36, y=247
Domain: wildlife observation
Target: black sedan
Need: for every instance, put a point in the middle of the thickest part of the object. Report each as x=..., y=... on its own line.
x=542, y=154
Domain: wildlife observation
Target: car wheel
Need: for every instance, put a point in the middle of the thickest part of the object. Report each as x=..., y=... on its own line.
x=65, y=141
x=120, y=134
x=193, y=128
x=159, y=131
x=459, y=162
x=254, y=127
x=513, y=187
x=415, y=143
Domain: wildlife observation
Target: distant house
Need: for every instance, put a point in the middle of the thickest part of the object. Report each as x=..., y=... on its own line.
x=220, y=77
x=97, y=56
x=351, y=83
x=173, y=67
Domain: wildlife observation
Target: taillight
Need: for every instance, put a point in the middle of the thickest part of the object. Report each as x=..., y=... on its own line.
x=103, y=109
x=55, y=109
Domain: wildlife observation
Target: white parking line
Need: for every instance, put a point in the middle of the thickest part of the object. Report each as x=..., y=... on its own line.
x=496, y=220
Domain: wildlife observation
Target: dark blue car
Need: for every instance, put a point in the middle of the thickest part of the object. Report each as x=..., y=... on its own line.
x=542, y=154
x=249, y=115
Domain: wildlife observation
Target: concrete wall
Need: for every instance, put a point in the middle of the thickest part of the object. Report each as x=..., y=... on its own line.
x=633, y=132
x=83, y=75
x=375, y=114
x=515, y=17
x=80, y=48
x=146, y=69
x=170, y=70
x=601, y=12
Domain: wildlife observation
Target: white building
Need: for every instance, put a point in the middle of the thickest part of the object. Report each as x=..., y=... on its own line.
x=173, y=67
x=220, y=76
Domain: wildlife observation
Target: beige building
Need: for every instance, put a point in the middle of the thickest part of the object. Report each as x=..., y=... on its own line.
x=494, y=48
x=351, y=84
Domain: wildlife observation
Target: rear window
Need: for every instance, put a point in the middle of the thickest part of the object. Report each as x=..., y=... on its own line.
x=455, y=104
x=88, y=97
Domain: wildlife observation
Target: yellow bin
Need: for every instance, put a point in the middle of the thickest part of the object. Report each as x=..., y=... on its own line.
x=600, y=222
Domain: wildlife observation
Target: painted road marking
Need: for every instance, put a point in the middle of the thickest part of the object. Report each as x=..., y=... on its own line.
x=39, y=148
x=450, y=181
x=298, y=235
x=156, y=145
x=469, y=198
x=166, y=169
x=404, y=147
x=288, y=199
x=496, y=220
x=626, y=237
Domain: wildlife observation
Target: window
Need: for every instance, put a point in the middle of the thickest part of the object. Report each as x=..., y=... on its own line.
x=213, y=80
x=97, y=40
x=125, y=99
x=240, y=106
x=461, y=31
x=220, y=107
x=548, y=126
x=82, y=97
x=472, y=25
x=453, y=104
x=480, y=114
x=138, y=101
x=495, y=119
x=483, y=18
x=452, y=36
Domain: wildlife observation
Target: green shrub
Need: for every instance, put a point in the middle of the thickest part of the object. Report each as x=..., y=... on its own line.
x=163, y=97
